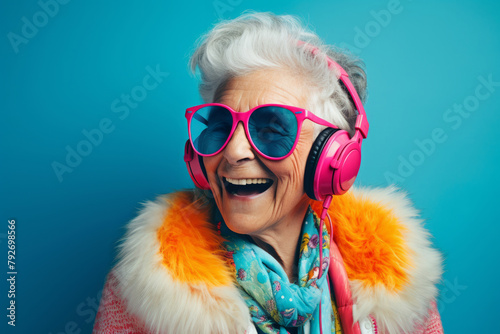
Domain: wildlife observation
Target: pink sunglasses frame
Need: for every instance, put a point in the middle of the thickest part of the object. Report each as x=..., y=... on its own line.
x=301, y=115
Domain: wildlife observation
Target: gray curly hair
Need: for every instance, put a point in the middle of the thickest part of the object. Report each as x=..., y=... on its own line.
x=257, y=41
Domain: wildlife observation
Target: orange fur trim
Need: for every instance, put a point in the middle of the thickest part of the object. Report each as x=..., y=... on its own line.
x=369, y=236
x=190, y=246
x=370, y=239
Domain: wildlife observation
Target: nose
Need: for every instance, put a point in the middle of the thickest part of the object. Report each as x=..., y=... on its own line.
x=238, y=149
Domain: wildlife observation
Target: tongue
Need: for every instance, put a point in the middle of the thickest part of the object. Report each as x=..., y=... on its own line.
x=247, y=190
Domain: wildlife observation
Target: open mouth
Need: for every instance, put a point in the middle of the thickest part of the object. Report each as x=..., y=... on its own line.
x=246, y=187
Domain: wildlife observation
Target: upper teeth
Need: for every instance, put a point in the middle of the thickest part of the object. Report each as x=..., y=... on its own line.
x=246, y=181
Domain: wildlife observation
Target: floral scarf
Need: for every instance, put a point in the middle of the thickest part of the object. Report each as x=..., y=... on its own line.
x=274, y=302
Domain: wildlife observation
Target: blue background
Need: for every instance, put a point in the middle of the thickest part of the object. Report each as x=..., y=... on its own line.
x=64, y=80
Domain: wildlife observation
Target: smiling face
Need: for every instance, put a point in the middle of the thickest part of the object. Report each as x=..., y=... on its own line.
x=261, y=210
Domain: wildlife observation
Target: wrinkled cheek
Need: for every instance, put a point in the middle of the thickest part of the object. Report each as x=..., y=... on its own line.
x=290, y=187
x=292, y=182
x=296, y=170
x=211, y=164
x=298, y=175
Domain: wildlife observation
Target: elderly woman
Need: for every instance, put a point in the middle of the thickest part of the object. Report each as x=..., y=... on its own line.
x=265, y=244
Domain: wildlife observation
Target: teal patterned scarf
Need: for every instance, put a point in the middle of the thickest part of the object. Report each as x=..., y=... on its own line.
x=275, y=304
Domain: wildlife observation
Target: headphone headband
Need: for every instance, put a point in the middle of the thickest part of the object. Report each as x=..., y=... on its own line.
x=361, y=125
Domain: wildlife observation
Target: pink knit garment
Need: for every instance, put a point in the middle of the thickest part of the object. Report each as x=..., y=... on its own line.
x=433, y=324
x=113, y=317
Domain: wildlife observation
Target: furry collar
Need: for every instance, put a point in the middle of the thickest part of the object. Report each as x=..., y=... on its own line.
x=173, y=272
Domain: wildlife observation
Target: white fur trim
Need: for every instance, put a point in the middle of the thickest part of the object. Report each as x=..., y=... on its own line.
x=400, y=312
x=251, y=329
x=164, y=304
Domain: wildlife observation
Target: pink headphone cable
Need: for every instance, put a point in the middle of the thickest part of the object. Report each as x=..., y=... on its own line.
x=324, y=214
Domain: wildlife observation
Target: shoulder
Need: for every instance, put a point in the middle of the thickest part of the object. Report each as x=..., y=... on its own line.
x=172, y=273
x=390, y=262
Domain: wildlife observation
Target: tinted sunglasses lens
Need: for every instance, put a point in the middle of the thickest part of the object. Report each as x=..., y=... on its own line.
x=210, y=128
x=273, y=130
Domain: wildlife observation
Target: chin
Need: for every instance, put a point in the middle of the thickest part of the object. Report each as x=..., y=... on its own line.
x=243, y=223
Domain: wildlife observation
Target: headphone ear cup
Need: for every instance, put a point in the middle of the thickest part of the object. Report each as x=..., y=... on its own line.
x=332, y=165
x=195, y=167
x=313, y=158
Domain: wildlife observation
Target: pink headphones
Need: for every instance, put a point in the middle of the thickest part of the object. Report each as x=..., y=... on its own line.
x=334, y=160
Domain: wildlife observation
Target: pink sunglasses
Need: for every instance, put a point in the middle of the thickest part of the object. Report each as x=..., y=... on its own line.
x=273, y=130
